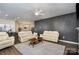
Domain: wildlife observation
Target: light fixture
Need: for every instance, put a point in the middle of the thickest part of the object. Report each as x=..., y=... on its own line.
x=38, y=12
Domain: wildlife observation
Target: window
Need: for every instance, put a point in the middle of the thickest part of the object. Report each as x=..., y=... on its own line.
x=5, y=27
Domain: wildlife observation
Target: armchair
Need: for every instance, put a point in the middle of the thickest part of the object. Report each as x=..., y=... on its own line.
x=5, y=40
x=25, y=36
x=50, y=36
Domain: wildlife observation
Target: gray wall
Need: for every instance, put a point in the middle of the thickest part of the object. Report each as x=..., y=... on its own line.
x=65, y=24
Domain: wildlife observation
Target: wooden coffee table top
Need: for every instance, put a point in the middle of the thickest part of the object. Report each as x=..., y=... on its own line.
x=35, y=41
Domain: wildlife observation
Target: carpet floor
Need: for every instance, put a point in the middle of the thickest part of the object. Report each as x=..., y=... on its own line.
x=43, y=48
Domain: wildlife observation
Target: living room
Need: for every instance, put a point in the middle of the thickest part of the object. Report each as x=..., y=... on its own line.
x=34, y=28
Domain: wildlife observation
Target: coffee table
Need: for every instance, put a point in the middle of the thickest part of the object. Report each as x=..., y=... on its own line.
x=35, y=41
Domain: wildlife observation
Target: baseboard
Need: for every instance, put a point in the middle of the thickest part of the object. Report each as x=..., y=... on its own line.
x=69, y=42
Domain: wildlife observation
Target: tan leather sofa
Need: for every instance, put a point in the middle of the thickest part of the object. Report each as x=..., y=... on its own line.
x=5, y=40
x=25, y=36
x=50, y=35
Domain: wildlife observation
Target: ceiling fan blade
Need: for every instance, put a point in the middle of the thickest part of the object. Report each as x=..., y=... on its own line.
x=42, y=14
x=40, y=10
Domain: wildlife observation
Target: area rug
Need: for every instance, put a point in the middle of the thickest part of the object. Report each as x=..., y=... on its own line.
x=43, y=48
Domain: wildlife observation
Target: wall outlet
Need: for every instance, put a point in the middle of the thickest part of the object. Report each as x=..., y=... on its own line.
x=63, y=37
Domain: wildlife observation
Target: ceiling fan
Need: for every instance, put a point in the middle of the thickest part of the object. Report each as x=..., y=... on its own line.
x=38, y=12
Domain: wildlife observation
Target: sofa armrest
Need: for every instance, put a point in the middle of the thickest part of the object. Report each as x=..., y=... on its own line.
x=12, y=39
x=41, y=35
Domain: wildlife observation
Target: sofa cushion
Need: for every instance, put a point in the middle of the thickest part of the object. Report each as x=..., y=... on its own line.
x=3, y=36
x=25, y=35
x=3, y=33
x=51, y=35
x=6, y=43
x=51, y=32
x=25, y=32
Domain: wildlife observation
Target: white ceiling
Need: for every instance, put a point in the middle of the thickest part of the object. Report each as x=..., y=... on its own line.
x=26, y=11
